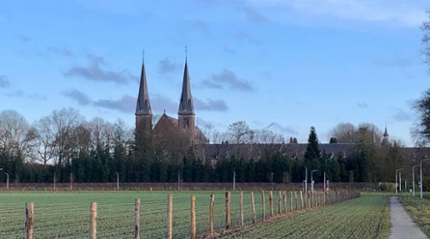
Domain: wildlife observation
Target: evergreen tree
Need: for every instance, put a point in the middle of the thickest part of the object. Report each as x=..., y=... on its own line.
x=313, y=153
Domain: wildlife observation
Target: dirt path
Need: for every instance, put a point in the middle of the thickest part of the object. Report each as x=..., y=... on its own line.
x=402, y=225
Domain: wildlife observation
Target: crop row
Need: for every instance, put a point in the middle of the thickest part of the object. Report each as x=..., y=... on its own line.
x=66, y=215
x=364, y=217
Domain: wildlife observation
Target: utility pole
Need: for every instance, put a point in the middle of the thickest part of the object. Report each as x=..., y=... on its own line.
x=400, y=182
x=234, y=181
x=413, y=179
x=7, y=179
x=179, y=181
x=117, y=181
x=306, y=180
x=71, y=181
x=312, y=180
x=397, y=190
x=325, y=185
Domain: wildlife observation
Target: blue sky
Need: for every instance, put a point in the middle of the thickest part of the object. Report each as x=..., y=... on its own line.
x=296, y=63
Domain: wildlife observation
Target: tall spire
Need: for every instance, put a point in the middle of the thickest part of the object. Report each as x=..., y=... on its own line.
x=143, y=106
x=385, y=140
x=186, y=105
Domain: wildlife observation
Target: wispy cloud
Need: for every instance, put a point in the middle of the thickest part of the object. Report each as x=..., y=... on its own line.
x=401, y=13
x=79, y=96
x=285, y=130
x=363, y=105
x=160, y=103
x=60, y=51
x=253, y=16
x=401, y=116
x=24, y=38
x=227, y=79
x=126, y=104
x=210, y=105
x=4, y=82
x=95, y=71
x=246, y=37
x=395, y=62
x=21, y=94
x=166, y=66
x=201, y=25
x=229, y=50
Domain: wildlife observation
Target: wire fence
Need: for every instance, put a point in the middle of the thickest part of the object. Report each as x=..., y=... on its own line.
x=178, y=215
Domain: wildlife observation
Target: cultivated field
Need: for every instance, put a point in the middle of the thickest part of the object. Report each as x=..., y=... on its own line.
x=364, y=217
x=66, y=214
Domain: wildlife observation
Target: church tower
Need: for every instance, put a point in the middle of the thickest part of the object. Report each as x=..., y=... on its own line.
x=186, y=115
x=143, y=114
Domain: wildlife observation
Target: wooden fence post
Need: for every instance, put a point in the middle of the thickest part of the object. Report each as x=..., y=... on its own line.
x=254, y=216
x=137, y=218
x=285, y=201
x=169, y=216
x=241, y=208
x=271, y=203
x=291, y=201
x=301, y=200
x=227, y=211
x=279, y=201
x=93, y=220
x=29, y=217
x=263, y=202
x=211, y=215
x=193, y=217
x=296, y=200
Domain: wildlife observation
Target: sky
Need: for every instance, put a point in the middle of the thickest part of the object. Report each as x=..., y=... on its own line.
x=294, y=63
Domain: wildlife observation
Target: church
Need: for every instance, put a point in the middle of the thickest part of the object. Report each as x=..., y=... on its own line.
x=185, y=123
x=171, y=130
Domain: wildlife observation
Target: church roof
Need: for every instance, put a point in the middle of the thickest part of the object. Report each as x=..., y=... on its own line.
x=186, y=105
x=171, y=121
x=143, y=106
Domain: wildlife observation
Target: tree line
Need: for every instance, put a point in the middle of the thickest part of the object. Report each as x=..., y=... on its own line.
x=64, y=144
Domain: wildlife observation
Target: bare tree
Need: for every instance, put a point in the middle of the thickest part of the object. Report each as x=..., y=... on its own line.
x=64, y=123
x=239, y=132
x=345, y=133
x=16, y=136
x=46, y=140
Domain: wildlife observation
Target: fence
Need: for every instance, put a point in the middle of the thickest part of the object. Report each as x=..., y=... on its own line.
x=191, y=218
x=184, y=186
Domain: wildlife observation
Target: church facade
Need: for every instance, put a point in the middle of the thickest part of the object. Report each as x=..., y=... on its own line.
x=184, y=124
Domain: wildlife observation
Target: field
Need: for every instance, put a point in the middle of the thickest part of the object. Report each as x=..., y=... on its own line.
x=419, y=209
x=364, y=217
x=66, y=215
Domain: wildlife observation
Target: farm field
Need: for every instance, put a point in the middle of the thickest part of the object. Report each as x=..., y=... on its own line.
x=418, y=209
x=66, y=214
x=364, y=217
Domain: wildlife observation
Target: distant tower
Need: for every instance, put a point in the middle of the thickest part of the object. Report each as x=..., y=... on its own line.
x=186, y=115
x=385, y=140
x=143, y=114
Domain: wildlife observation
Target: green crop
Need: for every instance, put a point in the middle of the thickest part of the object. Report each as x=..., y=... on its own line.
x=364, y=217
x=66, y=214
